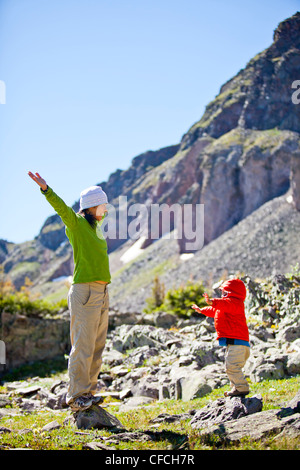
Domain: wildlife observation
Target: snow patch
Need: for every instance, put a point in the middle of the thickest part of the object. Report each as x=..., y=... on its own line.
x=63, y=278
x=185, y=256
x=134, y=251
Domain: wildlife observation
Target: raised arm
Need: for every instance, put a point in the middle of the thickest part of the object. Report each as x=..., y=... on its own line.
x=207, y=311
x=65, y=212
x=39, y=180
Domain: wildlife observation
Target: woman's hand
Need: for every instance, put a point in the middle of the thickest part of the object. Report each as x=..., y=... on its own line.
x=39, y=180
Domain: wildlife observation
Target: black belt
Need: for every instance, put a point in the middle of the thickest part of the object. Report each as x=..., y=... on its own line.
x=229, y=341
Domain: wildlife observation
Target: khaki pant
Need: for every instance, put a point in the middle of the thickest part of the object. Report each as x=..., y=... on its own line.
x=88, y=304
x=235, y=359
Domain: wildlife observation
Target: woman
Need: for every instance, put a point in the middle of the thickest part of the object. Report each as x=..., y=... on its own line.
x=88, y=295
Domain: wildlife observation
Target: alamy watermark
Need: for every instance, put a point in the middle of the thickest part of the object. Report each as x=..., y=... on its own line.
x=296, y=94
x=153, y=221
x=2, y=352
x=2, y=92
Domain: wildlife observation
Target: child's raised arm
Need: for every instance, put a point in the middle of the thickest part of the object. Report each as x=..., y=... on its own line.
x=207, y=299
x=195, y=307
x=207, y=311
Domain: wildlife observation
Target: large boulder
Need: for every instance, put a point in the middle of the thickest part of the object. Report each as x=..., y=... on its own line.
x=226, y=409
x=231, y=420
x=97, y=418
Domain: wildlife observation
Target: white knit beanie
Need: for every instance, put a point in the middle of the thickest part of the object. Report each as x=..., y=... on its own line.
x=91, y=197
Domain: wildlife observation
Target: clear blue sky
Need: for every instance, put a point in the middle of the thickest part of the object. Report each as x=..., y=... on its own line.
x=90, y=84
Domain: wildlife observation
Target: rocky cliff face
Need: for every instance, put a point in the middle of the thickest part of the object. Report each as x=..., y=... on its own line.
x=242, y=153
x=238, y=156
x=232, y=176
x=259, y=96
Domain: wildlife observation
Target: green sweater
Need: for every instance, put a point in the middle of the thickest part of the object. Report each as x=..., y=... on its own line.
x=91, y=261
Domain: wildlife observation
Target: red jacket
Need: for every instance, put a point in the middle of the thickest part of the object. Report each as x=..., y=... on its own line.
x=229, y=311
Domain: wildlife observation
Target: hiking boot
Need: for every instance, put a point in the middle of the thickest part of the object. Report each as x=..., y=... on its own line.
x=81, y=403
x=96, y=399
x=235, y=393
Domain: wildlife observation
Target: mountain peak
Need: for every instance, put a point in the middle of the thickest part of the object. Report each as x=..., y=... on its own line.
x=288, y=32
x=259, y=96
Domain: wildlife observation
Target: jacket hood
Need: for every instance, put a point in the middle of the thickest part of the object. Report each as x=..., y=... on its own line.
x=235, y=287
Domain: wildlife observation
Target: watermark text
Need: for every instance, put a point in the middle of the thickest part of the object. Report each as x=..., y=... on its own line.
x=2, y=352
x=153, y=221
x=296, y=94
x=2, y=92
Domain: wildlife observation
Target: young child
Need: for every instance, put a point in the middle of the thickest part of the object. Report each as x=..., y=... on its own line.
x=232, y=331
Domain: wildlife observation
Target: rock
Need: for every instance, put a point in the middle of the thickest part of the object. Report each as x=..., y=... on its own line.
x=168, y=418
x=164, y=320
x=147, y=387
x=129, y=437
x=133, y=402
x=293, y=364
x=29, y=339
x=293, y=406
x=267, y=371
x=125, y=393
x=238, y=418
x=111, y=394
x=254, y=427
x=51, y=426
x=3, y=430
x=289, y=334
x=200, y=383
x=56, y=400
x=117, y=318
x=59, y=386
x=96, y=445
x=291, y=430
x=226, y=409
x=191, y=381
x=97, y=418
x=129, y=337
x=194, y=386
x=30, y=405
x=5, y=401
x=139, y=356
x=28, y=391
x=119, y=371
x=113, y=357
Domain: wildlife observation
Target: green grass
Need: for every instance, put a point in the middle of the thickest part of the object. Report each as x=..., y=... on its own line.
x=27, y=428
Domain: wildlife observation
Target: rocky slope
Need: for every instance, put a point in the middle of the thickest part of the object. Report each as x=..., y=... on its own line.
x=160, y=356
x=243, y=153
x=264, y=243
x=149, y=358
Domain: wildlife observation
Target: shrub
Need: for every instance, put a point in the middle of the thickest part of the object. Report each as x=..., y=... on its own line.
x=157, y=298
x=24, y=302
x=178, y=300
